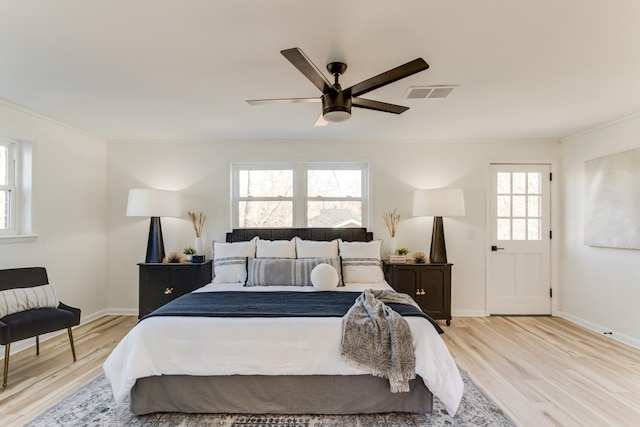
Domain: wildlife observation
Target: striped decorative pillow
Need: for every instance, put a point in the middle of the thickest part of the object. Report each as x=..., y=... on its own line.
x=361, y=261
x=286, y=272
x=23, y=299
x=230, y=260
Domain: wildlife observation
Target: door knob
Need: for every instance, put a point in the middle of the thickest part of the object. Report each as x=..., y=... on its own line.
x=495, y=248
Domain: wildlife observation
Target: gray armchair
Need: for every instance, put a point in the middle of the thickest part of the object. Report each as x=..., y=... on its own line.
x=34, y=322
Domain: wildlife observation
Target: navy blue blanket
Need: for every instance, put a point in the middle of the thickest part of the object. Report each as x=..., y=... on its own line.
x=271, y=304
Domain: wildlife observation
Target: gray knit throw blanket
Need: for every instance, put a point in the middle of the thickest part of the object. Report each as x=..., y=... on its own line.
x=378, y=340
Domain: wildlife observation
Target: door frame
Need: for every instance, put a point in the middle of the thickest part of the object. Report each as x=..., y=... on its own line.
x=554, y=226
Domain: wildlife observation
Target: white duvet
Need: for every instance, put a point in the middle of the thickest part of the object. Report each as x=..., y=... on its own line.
x=264, y=346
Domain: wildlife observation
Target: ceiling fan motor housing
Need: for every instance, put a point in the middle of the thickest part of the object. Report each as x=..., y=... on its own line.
x=336, y=107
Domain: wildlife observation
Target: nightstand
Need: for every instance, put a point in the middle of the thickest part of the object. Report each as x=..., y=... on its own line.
x=428, y=284
x=161, y=283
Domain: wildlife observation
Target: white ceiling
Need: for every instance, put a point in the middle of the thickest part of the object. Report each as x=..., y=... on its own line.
x=170, y=69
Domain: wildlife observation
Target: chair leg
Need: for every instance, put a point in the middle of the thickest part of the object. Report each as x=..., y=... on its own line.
x=37, y=345
x=7, y=347
x=73, y=348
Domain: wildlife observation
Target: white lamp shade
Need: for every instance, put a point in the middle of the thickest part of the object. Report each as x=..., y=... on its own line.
x=439, y=202
x=150, y=203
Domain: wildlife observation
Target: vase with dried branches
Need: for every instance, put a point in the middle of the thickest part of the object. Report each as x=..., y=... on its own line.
x=391, y=219
x=198, y=224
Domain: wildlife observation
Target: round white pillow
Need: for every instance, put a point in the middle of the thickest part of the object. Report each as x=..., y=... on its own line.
x=324, y=277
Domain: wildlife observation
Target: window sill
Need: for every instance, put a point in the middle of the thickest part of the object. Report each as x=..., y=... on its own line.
x=18, y=238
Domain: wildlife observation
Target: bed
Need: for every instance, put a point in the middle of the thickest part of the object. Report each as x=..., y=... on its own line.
x=273, y=364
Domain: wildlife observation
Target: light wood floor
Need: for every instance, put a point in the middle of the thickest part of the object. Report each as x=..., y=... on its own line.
x=541, y=371
x=36, y=383
x=546, y=371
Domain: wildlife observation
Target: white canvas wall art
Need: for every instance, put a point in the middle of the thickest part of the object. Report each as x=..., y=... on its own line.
x=612, y=201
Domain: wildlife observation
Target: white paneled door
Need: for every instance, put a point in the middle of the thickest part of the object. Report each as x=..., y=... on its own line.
x=519, y=270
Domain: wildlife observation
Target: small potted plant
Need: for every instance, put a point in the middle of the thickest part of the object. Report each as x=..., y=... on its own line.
x=189, y=252
x=402, y=251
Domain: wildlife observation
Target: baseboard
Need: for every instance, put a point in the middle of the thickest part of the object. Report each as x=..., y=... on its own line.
x=607, y=332
x=469, y=313
x=110, y=312
x=122, y=312
x=93, y=316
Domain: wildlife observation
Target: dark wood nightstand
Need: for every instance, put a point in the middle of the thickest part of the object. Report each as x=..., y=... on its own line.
x=428, y=284
x=161, y=283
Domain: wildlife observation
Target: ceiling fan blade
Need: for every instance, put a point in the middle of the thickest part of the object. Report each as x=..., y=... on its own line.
x=370, y=104
x=283, y=101
x=306, y=67
x=390, y=76
x=320, y=121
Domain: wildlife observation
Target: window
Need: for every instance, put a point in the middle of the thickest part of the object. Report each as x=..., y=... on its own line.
x=300, y=195
x=15, y=190
x=519, y=205
x=8, y=187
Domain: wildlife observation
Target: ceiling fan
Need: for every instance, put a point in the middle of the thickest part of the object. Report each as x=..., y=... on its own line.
x=337, y=102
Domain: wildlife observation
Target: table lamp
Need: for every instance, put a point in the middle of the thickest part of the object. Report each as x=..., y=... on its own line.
x=438, y=203
x=154, y=204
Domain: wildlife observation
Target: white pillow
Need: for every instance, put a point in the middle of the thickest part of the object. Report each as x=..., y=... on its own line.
x=23, y=299
x=361, y=261
x=276, y=248
x=324, y=277
x=230, y=260
x=316, y=249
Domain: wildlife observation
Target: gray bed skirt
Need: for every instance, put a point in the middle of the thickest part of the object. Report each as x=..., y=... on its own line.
x=248, y=394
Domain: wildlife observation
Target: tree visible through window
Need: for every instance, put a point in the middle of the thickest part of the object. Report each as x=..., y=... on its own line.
x=266, y=198
x=300, y=195
x=334, y=198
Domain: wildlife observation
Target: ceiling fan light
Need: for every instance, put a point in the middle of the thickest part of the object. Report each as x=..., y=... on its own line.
x=336, y=107
x=336, y=115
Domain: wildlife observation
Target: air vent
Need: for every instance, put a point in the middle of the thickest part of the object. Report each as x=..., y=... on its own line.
x=431, y=92
x=419, y=92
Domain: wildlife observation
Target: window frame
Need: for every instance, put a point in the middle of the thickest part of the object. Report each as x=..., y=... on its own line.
x=300, y=197
x=12, y=185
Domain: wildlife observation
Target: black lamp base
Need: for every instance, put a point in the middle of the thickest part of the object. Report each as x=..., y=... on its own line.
x=155, y=245
x=438, y=252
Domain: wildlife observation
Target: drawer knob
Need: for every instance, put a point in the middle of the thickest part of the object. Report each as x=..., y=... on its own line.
x=168, y=291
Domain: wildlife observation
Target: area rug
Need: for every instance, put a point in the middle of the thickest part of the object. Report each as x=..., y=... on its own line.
x=93, y=405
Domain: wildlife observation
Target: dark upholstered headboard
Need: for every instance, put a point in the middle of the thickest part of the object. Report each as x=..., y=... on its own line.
x=23, y=278
x=346, y=234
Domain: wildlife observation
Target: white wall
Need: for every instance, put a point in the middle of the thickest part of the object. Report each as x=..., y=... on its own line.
x=201, y=171
x=80, y=188
x=69, y=208
x=600, y=286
